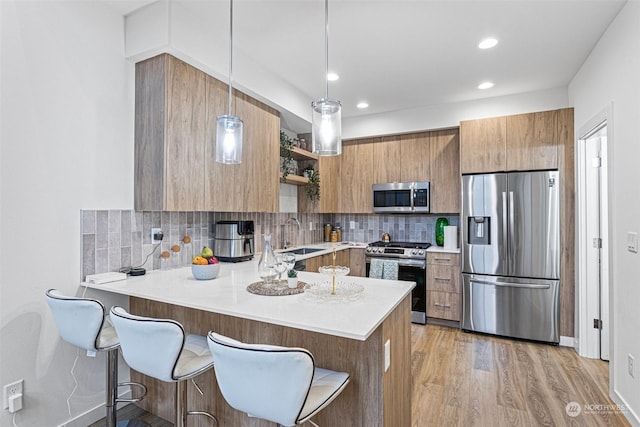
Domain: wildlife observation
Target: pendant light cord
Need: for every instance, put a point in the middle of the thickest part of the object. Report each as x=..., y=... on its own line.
x=326, y=48
x=230, y=53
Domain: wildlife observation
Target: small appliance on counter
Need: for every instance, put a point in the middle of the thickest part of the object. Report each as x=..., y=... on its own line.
x=234, y=241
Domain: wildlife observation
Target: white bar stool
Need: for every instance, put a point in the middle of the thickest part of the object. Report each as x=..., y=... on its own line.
x=160, y=349
x=278, y=384
x=83, y=323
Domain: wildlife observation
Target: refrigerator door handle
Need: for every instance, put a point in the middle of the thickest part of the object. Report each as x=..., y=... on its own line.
x=510, y=285
x=511, y=227
x=505, y=250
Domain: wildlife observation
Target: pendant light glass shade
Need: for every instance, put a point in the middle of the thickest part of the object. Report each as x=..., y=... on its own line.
x=229, y=140
x=326, y=127
x=229, y=127
x=326, y=120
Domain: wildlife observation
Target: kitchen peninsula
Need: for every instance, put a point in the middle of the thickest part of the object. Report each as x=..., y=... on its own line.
x=348, y=336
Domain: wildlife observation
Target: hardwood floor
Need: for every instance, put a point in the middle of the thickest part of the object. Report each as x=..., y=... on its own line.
x=463, y=379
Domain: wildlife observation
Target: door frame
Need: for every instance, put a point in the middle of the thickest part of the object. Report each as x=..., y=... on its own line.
x=587, y=297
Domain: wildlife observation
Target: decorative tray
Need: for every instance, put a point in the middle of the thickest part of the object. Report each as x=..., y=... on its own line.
x=261, y=288
x=345, y=292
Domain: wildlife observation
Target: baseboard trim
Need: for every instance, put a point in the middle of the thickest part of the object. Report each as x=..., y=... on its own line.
x=629, y=414
x=92, y=415
x=567, y=342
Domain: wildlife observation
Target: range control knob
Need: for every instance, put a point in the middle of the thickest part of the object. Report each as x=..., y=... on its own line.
x=368, y=250
x=420, y=252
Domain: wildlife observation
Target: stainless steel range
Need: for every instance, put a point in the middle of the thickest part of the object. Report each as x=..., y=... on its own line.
x=412, y=266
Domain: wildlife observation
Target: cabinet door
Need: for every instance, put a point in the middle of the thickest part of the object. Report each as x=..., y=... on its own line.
x=532, y=141
x=185, y=136
x=357, y=262
x=445, y=171
x=386, y=158
x=443, y=305
x=218, y=177
x=483, y=145
x=329, y=167
x=258, y=174
x=356, y=177
x=415, y=154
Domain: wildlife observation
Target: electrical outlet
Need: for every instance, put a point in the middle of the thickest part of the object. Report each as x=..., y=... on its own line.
x=154, y=232
x=11, y=390
x=632, y=242
x=630, y=360
x=352, y=225
x=311, y=226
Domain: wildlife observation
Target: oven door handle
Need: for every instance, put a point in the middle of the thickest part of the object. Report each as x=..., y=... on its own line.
x=403, y=262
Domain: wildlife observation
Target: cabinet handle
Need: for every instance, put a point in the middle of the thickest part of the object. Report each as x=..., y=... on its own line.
x=443, y=259
x=442, y=305
x=442, y=279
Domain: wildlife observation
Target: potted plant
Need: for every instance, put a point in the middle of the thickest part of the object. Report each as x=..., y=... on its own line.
x=313, y=186
x=286, y=154
x=292, y=279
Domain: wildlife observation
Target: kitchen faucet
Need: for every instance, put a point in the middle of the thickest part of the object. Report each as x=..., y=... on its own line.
x=286, y=243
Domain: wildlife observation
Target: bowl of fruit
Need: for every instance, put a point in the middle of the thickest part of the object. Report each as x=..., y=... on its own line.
x=205, y=266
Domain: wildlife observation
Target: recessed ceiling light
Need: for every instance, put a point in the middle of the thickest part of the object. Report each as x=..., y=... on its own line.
x=362, y=105
x=332, y=77
x=485, y=85
x=488, y=43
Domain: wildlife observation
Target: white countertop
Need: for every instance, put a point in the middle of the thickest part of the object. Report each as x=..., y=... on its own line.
x=227, y=295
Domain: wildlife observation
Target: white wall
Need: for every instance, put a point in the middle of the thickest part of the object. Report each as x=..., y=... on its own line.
x=66, y=144
x=611, y=74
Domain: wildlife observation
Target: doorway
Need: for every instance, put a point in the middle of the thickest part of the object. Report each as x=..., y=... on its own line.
x=592, y=272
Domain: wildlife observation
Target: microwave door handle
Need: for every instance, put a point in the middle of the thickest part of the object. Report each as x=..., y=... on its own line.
x=413, y=195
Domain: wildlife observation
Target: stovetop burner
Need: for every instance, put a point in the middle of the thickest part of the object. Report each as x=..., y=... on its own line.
x=409, y=245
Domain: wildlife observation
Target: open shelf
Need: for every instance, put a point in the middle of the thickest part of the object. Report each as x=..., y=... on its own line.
x=300, y=154
x=294, y=179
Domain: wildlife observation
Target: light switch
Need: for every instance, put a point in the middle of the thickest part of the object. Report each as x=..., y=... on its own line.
x=632, y=242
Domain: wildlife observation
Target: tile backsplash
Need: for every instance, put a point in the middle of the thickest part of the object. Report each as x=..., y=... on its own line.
x=113, y=239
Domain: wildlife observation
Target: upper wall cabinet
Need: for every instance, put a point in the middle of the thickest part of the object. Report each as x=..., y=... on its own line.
x=415, y=164
x=483, y=145
x=519, y=142
x=169, y=135
x=445, y=171
x=532, y=141
x=175, y=131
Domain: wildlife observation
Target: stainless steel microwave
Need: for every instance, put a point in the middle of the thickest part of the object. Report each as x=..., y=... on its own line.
x=401, y=197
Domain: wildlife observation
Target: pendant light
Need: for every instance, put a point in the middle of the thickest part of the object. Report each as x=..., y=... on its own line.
x=326, y=119
x=229, y=127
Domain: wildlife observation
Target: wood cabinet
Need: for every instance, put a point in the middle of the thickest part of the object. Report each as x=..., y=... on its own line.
x=532, y=141
x=357, y=262
x=329, y=169
x=483, y=145
x=356, y=177
x=519, y=142
x=445, y=171
x=386, y=157
x=415, y=160
x=443, y=285
x=169, y=135
x=313, y=263
x=176, y=108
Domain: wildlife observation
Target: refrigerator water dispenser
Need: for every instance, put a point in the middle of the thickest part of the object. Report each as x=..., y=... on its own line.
x=480, y=230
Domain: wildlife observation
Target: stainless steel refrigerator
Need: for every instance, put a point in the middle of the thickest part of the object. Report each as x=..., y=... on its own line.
x=511, y=254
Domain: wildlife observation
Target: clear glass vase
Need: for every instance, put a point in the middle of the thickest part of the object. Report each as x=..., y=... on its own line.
x=267, y=264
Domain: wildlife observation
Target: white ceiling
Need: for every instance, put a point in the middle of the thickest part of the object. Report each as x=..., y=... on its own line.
x=398, y=54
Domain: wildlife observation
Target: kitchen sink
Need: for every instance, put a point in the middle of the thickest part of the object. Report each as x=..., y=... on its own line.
x=302, y=251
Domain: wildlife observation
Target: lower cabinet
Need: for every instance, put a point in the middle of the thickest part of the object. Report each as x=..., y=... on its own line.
x=443, y=285
x=357, y=262
x=342, y=259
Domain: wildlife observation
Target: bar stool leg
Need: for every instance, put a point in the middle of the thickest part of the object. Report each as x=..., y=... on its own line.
x=112, y=387
x=181, y=404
